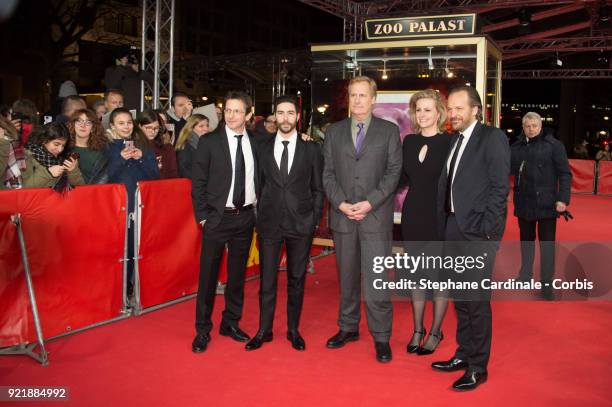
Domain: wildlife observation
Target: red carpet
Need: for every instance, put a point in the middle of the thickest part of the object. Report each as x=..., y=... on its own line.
x=544, y=354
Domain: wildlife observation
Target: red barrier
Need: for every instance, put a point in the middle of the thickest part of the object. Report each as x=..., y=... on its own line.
x=74, y=242
x=170, y=243
x=604, y=181
x=583, y=176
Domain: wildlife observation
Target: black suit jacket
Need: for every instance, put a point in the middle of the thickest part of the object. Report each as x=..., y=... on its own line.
x=212, y=176
x=480, y=186
x=303, y=192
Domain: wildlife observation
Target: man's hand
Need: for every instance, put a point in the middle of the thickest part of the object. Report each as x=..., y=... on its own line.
x=345, y=208
x=356, y=211
x=306, y=137
x=560, y=206
x=361, y=208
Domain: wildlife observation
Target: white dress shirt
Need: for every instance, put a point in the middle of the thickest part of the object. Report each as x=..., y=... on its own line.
x=249, y=165
x=278, y=149
x=467, y=133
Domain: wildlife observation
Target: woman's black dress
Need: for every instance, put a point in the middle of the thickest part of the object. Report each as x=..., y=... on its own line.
x=419, y=212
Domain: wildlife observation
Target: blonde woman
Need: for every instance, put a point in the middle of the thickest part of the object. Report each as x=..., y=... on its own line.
x=187, y=143
x=424, y=155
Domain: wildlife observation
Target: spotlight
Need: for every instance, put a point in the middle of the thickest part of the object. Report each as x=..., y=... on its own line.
x=604, y=11
x=449, y=73
x=430, y=59
x=384, y=72
x=524, y=17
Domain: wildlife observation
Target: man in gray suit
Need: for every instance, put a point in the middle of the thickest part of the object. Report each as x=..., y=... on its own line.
x=472, y=197
x=363, y=161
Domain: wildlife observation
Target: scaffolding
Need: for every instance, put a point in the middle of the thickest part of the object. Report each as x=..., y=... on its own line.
x=157, y=52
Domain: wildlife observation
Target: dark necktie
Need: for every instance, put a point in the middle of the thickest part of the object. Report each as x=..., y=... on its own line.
x=239, y=176
x=451, y=172
x=359, y=137
x=284, y=163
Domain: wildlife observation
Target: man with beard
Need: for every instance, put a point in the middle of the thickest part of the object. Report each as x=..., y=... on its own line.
x=472, y=198
x=290, y=202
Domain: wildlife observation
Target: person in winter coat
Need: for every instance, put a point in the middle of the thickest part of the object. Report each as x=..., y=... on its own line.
x=88, y=140
x=542, y=183
x=187, y=144
x=46, y=163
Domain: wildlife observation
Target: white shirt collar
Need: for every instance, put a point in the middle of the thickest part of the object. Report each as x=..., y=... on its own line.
x=468, y=132
x=232, y=133
x=279, y=139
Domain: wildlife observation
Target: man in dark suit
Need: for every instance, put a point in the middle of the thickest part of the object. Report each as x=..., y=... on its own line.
x=290, y=202
x=472, y=199
x=223, y=193
x=363, y=161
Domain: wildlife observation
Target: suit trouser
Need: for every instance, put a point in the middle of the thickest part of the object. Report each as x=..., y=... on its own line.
x=547, y=229
x=355, y=252
x=237, y=232
x=474, y=318
x=298, y=253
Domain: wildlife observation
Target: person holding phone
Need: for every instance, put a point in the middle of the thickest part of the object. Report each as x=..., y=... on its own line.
x=130, y=158
x=46, y=163
x=130, y=161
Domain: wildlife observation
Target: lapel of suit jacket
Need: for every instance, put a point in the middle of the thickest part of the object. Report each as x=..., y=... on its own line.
x=347, y=138
x=369, y=136
x=297, y=158
x=226, y=151
x=454, y=139
x=268, y=160
x=255, y=158
x=469, y=149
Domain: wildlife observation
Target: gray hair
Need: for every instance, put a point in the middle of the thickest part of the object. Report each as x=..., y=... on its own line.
x=532, y=116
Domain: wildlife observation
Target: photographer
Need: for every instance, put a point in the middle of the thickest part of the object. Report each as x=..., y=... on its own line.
x=126, y=76
x=542, y=181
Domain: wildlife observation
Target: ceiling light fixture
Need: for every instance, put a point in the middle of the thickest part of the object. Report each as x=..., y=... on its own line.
x=430, y=59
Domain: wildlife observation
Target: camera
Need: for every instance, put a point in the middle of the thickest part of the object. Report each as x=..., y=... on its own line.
x=129, y=145
x=74, y=155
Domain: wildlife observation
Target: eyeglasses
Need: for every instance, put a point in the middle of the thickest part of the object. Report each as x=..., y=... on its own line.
x=84, y=122
x=234, y=111
x=151, y=129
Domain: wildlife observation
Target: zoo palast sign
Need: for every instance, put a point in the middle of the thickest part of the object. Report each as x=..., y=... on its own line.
x=410, y=27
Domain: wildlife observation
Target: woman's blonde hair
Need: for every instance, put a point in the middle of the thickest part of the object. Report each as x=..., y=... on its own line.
x=440, y=107
x=192, y=121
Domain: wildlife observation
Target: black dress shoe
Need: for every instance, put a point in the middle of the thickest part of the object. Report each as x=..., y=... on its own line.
x=234, y=332
x=258, y=340
x=200, y=342
x=450, y=365
x=341, y=338
x=547, y=292
x=297, y=342
x=470, y=380
x=383, y=352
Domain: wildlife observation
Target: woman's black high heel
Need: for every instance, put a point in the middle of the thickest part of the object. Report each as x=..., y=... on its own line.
x=414, y=348
x=422, y=351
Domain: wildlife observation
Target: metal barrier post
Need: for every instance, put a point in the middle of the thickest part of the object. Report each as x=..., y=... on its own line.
x=24, y=349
